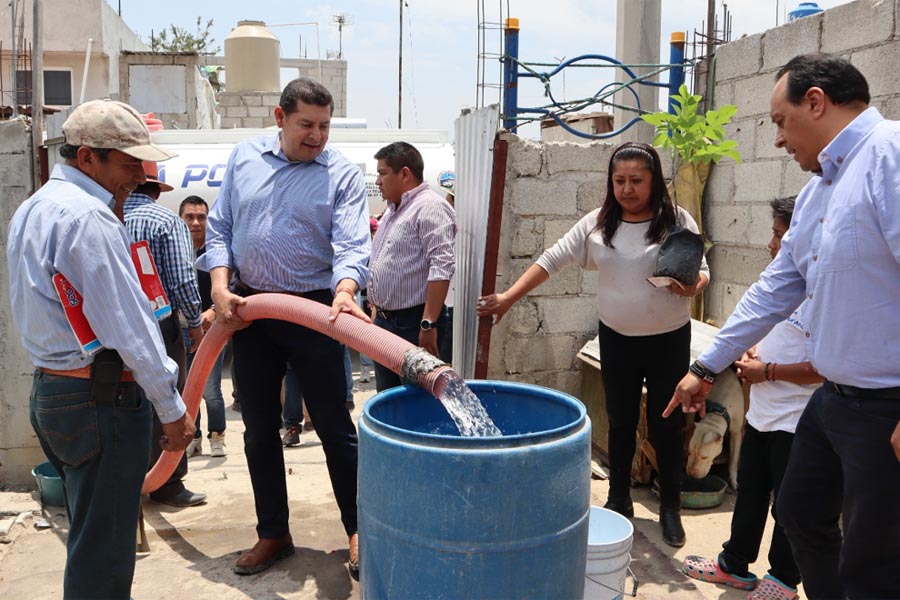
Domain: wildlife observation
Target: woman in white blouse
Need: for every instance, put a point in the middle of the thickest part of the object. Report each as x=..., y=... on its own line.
x=644, y=331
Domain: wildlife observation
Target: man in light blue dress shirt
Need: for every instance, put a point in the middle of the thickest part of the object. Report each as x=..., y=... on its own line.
x=291, y=216
x=841, y=254
x=91, y=417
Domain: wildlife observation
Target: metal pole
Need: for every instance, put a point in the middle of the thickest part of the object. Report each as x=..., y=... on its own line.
x=511, y=75
x=37, y=90
x=400, y=74
x=15, y=79
x=676, y=74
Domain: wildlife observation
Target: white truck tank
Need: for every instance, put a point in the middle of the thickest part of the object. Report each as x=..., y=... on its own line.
x=203, y=153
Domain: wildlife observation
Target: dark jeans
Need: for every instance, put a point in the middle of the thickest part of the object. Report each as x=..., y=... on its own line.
x=293, y=399
x=627, y=362
x=171, y=334
x=100, y=450
x=447, y=345
x=842, y=462
x=764, y=457
x=405, y=324
x=261, y=353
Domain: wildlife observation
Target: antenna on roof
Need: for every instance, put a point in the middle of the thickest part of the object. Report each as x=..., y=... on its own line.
x=341, y=20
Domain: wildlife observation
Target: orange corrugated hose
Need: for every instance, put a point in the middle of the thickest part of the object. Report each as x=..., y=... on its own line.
x=382, y=346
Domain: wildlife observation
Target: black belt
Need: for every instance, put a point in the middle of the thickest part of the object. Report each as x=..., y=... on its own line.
x=850, y=391
x=390, y=315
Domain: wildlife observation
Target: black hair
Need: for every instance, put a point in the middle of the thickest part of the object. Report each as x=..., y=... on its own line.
x=70, y=152
x=307, y=91
x=194, y=200
x=840, y=80
x=664, y=213
x=783, y=208
x=401, y=154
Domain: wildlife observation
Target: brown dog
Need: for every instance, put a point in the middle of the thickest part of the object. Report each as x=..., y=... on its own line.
x=707, y=441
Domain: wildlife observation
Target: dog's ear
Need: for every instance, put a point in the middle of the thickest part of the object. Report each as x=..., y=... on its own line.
x=711, y=437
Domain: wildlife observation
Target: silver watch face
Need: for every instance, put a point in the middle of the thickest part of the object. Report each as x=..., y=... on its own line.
x=426, y=324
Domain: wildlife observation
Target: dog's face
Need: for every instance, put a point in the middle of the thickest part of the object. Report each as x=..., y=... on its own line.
x=705, y=445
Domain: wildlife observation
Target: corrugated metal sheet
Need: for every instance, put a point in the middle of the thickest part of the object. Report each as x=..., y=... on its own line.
x=475, y=133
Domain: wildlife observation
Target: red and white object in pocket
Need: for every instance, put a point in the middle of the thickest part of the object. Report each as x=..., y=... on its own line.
x=149, y=279
x=72, y=305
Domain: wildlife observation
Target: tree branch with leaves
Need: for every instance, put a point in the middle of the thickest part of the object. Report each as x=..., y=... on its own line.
x=182, y=40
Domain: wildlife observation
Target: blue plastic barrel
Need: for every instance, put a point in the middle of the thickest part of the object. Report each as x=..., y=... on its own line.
x=804, y=9
x=445, y=516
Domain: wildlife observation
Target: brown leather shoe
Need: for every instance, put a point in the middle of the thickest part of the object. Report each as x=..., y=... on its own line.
x=265, y=553
x=354, y=555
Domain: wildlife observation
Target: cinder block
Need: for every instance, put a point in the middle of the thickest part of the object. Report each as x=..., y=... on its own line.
x=794, y=179
x=765, y=140
x=742, y=131
x=523, y=156
x=567, y=315
x=738, y=264
x=592, y=193
x=565, y=283
x=728, y=224
x=753, y=95
x=236, y=112
x=555, y=229
x=540, y=353
x=269, y=121
x=253, y=122
x=724, y=94
x=15, y=172
x=720, y=186
x=783, y=43
x=271, y=99
x=229, y=122
x=569, y=156
x=759, y=231
x=740, y=58
x=879, y=65
x=259, y=111
x=522, y=318
x=590, y=283
x=757, y=181
x=532, y=196
x=721, y=299
x=856, y=24
x=526, y=242
x=228, y=99
x=567, y=381
x=251, y=100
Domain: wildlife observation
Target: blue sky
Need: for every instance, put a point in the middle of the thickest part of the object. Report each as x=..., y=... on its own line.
x=440, y=43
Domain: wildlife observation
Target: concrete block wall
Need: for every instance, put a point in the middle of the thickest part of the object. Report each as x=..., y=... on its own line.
x=247, y=109
x=737, y=217
x=549, y=187
x=191, y=62
x=19, y=449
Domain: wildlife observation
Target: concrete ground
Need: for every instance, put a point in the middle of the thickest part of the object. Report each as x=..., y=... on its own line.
x=192, y=549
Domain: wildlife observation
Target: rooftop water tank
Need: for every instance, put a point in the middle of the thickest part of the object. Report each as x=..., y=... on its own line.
x=804, y=9
x=252, y=59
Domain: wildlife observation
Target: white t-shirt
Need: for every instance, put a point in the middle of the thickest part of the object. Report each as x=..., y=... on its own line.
x=626, y=301
x=777, y=405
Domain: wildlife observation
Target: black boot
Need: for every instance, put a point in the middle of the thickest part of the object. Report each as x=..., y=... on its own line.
x=673, y=532
x=623, y=506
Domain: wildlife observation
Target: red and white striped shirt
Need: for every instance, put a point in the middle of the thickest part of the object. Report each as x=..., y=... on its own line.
x=413, y=245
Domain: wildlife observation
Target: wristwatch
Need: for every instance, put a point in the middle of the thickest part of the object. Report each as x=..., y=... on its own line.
x=700, y=370
x=426, y=325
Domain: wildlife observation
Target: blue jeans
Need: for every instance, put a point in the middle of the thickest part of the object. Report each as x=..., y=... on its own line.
x=348, y=374
x=212, y=397
x=100, y=450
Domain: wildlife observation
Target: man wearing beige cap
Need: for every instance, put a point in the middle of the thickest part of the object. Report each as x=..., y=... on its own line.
x=92, y=381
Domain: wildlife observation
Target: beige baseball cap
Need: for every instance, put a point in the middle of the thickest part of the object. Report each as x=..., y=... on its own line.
x=115, y=126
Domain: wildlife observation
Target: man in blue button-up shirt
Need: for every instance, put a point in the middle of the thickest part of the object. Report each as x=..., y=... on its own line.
x=842, y=254
x=291, y=216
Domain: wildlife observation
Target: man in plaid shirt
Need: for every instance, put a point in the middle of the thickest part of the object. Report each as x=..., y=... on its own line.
x=172, y=250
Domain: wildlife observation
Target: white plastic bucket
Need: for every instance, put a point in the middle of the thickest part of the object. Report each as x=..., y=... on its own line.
x=608, y=555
